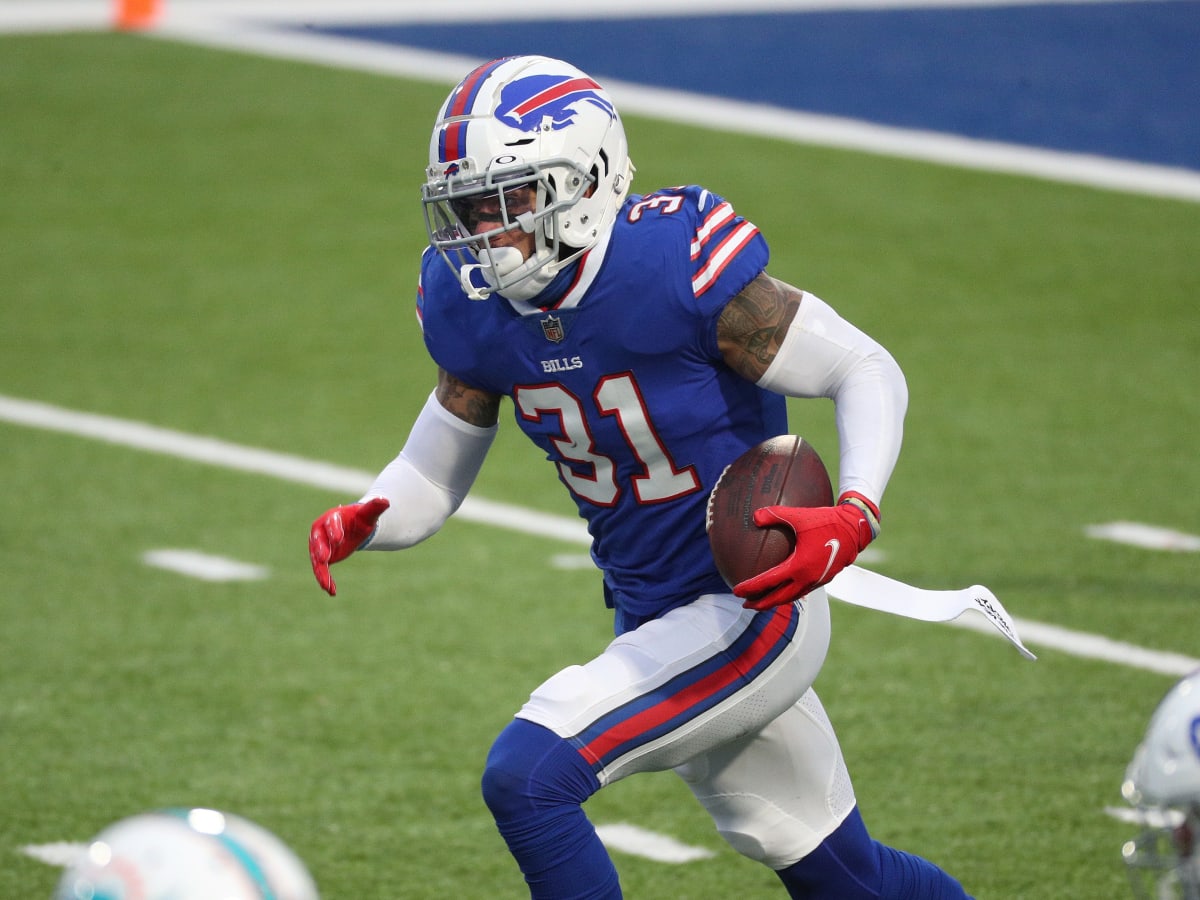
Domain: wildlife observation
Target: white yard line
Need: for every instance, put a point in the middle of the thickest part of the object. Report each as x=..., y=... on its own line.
x=1092, y=646
x=204, y=566
x=1146, y=818
x=629, y=839
x=353, y=482
x=649, y=844
x=1149, y=537
x=60, y=853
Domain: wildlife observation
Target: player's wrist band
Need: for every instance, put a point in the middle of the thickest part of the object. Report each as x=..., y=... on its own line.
x=866, y=507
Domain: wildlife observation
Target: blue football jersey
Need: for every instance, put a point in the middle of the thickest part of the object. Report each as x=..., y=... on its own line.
x=622, y=386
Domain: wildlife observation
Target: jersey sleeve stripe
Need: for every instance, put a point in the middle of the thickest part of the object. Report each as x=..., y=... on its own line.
x=718, y=218
x=725, y=253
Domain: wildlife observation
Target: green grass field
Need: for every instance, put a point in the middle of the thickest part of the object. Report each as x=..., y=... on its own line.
x=227, y=246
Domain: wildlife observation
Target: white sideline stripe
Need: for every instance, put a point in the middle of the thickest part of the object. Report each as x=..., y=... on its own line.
x=41, y=15
x=700, y=110
x=354, y=482
x=204, y=566
x=1149, y=537
x=255, y=28
x=60, y=854
x=649, y=844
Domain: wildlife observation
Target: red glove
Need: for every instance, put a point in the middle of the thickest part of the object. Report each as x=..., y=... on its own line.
x=338, y=533
x=828, y=538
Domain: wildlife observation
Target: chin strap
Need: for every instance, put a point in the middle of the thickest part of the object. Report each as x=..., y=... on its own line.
x=495, y=263
x=474, y=291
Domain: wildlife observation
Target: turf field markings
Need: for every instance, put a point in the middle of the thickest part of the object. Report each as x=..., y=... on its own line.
x=569, y=562
x=620, y=836
x=298, y=470
x=254, y=28
x=1093, y=646
x=1152, y=818
x=60, y=853
x=649, y=844
x=265, y=37
x=1149, y=537
x=204, y=566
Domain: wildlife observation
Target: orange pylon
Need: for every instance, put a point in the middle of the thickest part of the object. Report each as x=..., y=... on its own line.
x=134, y=14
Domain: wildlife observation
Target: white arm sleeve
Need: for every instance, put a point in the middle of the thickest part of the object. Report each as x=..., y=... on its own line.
x=823, y=355
x=427, y=482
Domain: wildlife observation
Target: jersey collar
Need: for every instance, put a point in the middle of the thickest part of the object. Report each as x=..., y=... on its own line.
x=581, y=277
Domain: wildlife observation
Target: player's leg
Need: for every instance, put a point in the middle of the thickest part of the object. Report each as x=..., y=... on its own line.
x=677, y=686
x=775, y=795
x=849, y=857
x=535, y=784
x=783, y=797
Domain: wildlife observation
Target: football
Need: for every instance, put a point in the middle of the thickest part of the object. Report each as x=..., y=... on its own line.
x=186, y=854
x=782, y=471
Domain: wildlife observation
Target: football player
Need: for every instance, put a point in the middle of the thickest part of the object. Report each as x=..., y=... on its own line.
x=1163, y=784
x=644, y=346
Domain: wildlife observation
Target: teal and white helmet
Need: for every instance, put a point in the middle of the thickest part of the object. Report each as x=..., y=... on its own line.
x=1163, y=784
x=186, y=854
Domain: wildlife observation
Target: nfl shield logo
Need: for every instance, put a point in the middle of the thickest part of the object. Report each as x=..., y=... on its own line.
x=552, y=328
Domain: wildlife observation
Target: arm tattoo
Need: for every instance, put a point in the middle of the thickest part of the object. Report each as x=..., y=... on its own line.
x=754, y=324
x=469, y=404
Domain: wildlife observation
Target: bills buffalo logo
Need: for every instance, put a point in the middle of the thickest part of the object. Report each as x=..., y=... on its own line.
x=452, y=169
x=527, y=103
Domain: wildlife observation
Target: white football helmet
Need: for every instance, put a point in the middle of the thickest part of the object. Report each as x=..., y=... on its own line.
x=1163, y=782
x=187, y=854
x=514, y=124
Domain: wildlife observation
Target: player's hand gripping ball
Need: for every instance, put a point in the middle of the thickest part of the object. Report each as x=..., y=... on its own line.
x=775, y=533
x=782, y=471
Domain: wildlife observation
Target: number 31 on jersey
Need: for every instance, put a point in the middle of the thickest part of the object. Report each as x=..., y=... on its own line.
x=615, y=395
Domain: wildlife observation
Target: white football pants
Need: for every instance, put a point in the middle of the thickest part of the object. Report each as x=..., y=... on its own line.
x=722, y=695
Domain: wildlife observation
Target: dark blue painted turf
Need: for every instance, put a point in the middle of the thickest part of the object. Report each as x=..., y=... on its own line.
x=1118, y=79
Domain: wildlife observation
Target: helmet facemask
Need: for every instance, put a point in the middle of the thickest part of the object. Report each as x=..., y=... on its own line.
x=1164, y=860
x=506, y=198
x=511, y=125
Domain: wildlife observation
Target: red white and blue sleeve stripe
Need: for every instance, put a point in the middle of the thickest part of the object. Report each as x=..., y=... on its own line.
x=717, y=245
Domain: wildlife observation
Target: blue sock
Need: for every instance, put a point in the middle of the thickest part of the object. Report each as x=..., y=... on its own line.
x=850, y=866
x=534, y=784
